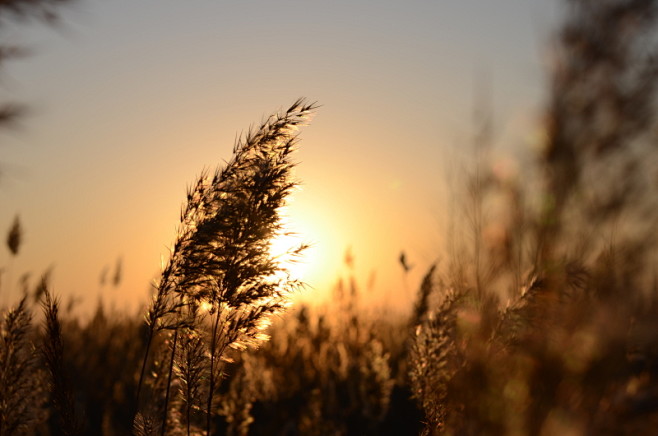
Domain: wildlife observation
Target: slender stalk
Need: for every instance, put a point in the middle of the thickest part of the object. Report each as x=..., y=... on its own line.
x=211, y=382
x=188, y=408
x=141, y=374
x=171, y=370
x=156, y=313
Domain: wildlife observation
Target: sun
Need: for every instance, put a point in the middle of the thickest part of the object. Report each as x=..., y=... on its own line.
x=310, y=224
x=286, y=242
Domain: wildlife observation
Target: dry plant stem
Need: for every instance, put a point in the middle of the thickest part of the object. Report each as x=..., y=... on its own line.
x=171, y=370
x=213, y=353
x=188, y=408
x=141, y=374
x=158, y=310
x=211, y=382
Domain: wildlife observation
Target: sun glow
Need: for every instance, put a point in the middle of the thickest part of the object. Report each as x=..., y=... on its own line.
x=285, y=247
x=309, y=223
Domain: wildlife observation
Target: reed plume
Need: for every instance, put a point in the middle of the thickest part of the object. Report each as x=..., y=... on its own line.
x=434, y=357
x=53, y=352
x=221, y=259
x=20, y=381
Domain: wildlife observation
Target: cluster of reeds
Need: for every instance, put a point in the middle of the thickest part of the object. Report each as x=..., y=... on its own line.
x=573, y=356
x=323, y=372
x=34, y=384
x=217, y=292
x=568, y=347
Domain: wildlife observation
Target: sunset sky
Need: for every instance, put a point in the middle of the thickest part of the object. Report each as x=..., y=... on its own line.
x=128, y=101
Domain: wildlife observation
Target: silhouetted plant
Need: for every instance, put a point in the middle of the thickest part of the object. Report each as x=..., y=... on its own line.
x=21, y=396
x=53, y=355
x=221, y=258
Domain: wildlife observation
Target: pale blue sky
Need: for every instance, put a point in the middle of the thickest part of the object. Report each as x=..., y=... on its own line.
x=130, y=100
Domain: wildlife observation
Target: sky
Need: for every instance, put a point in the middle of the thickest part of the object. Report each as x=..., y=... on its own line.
x=128, y=101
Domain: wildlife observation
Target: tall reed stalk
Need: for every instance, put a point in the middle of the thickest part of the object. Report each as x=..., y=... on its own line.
x=221, y=258
x=53, y=355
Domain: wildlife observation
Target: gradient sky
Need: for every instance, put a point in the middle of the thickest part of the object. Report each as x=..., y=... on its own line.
x=130, y=100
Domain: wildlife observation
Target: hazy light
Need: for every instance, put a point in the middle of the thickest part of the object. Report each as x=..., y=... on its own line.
x=284, y=247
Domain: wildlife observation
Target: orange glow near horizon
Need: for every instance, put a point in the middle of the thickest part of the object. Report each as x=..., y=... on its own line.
x=125, y=119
